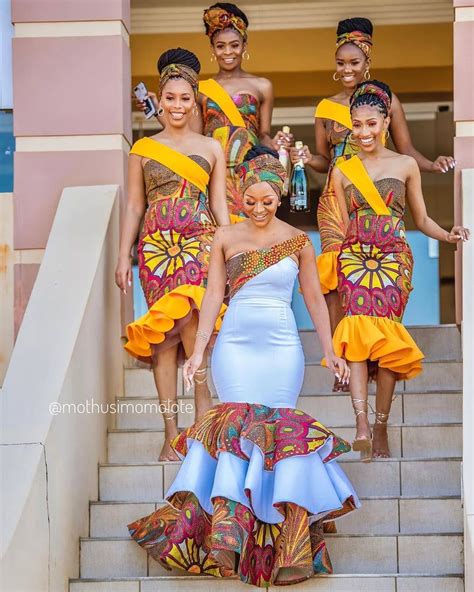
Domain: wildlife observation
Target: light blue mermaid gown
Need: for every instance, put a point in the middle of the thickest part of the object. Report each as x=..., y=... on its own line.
x=259, y=476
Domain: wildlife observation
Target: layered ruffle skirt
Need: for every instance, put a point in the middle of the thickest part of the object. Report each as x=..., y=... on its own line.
x=258, y=482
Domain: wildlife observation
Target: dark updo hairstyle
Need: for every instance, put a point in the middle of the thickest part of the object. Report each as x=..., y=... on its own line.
x=180, y=56
x=231, y=9
x=258, y=150
x=357, y=23
x=373, y=93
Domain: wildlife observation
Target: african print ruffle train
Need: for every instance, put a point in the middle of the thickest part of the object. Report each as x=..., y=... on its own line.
x=244, y=488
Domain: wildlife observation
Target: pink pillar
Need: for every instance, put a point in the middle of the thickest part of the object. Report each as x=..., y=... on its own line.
x=463, y=117
x=71, y=88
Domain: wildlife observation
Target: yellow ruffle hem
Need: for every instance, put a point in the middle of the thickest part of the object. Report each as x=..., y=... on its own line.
x=361, y=337
x=327, y=270
x=151, y=328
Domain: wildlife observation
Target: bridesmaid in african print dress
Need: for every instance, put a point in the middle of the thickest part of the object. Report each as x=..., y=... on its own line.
x=334, y=142
x=375, y=263
x=177, y=185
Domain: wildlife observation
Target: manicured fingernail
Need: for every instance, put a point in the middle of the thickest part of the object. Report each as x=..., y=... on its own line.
x=337, y=376
x=129, y=283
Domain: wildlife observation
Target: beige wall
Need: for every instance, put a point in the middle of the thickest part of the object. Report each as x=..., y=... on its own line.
x=68, y=351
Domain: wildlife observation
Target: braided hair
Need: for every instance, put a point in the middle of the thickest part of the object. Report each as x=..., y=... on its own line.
x=355, y=24
x=258, y=150
x=179, y=56
x=373, y=93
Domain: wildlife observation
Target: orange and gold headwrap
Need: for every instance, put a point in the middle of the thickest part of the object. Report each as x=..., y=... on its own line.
x=263, y=167
x=218, y=19
x=179, y=71
x=362, y=40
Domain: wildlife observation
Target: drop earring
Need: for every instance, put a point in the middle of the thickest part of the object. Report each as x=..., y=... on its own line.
x=246, y=55
x=213, y=57
x=367, y=74
x=160, y=111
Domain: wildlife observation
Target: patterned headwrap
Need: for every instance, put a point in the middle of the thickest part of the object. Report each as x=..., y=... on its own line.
x=181, y=71
x=264, y=167
x=368, y=88
x=218, y=19
x=362, y=40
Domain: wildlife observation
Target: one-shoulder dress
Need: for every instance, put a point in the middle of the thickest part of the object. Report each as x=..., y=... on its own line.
x=259, y=477
x=329, y=217
x=173, y=248
x=375, y=268
x=236, y=141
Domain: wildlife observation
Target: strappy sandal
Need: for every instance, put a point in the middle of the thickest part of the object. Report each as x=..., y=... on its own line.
x=382, y=419
x=200, y=373
x=362, y=445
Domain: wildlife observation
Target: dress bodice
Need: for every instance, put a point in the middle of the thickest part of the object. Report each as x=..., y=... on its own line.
x=256, y=267
x=392, y=190
x=214, y=118
x=161, y=182
x=273, y=283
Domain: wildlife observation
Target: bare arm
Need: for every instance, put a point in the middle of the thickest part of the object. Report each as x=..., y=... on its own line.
x=136, y=206
x=211, y=305
x=337, y=183
x=217, y=188
x=420, y=216
x=318, y=310
x=403, y=144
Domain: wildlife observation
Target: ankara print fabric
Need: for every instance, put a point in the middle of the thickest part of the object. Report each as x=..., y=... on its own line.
x=175, y=240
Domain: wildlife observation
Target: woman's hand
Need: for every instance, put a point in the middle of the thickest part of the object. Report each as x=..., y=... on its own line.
x=281, y=139
x=141, y=104
x=296, y=155
x=189, y=369
x=123, y=273
x=442, y=164
x=339, y=368
x=458, y=233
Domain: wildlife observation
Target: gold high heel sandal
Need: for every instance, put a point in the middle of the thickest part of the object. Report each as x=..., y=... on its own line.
x=362, y=445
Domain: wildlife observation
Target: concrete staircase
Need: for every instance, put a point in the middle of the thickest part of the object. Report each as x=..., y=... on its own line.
x=407, y=537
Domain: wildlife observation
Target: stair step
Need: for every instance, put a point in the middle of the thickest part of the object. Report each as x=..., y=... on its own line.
x=436, y=375
x=134, y=444
x=381, y=516
x=396, y=553
x=333, y=583
x=385, y=477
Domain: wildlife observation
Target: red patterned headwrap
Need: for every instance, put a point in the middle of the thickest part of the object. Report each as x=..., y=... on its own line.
x=368, y=88
x=218, y=19
x=362, y=40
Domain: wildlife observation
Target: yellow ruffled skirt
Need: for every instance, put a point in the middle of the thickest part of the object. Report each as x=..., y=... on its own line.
x=327, y=270
x=381, y=340
x=164, y=319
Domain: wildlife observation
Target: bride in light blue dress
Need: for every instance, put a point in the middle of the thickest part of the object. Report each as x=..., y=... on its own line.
x=259, y=477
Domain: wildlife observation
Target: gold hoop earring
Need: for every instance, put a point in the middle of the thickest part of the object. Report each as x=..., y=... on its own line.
x=246, y=55
x=195, y=110
x=352, y=139
x=335, y=78
x=160, y=111
x=213, y=57
x=386, y=136
x=367, y=74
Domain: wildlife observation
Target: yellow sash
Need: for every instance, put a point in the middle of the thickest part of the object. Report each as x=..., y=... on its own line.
x=355, y=171
x=212, y=89
x=179, y=163
x=327, y=109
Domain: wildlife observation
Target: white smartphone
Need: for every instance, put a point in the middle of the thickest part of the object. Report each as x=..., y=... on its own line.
x=141, y=92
